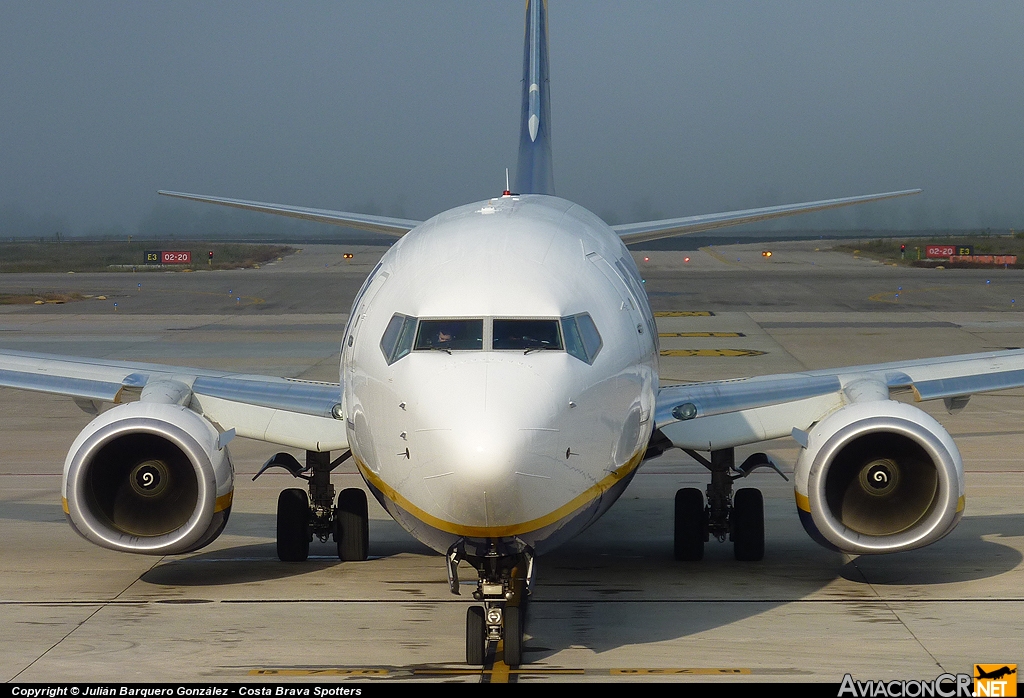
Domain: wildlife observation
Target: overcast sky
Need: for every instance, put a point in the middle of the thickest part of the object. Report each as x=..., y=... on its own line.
x=408, y=108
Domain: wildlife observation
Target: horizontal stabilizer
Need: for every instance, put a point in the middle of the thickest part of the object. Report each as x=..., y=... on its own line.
x=361, y=221
x=655, y=230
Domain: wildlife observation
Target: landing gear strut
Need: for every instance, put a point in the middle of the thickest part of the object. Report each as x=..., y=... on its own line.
x=504, y=587
x=302, y=516
x=739, y=516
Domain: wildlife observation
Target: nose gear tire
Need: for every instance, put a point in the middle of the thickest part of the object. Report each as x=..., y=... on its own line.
x=476, y=636
x=513, y=636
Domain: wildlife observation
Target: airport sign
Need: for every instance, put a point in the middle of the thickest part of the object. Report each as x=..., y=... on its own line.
x=168, y=257
x=943, y=251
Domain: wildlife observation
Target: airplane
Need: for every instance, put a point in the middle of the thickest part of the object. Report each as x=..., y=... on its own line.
x=994, y=674
x=498, y=390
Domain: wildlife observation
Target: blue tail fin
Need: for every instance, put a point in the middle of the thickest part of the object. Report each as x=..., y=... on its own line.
x=534, y=173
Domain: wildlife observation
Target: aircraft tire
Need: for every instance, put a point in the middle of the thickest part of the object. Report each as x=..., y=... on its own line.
x=513, y=636
x=351, y=525
x=476, y=636
x=748, y=525
x=293, y=525
x=690, y=525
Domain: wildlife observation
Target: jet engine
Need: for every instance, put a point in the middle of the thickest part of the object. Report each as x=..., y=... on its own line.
x=879, y=477
x=148, y=478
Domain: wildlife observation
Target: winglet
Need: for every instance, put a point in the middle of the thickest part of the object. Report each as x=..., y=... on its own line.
x=534, y=173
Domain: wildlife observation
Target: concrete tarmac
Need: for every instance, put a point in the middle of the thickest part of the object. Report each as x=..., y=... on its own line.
x=611, y=604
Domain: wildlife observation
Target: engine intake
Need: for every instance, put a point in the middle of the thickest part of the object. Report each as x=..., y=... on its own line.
x=879, y=476
x=148, y=478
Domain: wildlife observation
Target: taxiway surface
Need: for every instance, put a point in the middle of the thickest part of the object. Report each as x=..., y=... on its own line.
x=611, y=604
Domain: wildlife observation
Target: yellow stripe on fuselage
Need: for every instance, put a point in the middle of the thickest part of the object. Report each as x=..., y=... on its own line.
x=517, y=529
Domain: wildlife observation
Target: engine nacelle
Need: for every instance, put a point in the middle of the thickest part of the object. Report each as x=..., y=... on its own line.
x=148, y=478
x=879, y=477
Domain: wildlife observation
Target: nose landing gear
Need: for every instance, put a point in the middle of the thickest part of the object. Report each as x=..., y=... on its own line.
x=504, y=588
x=500, y=619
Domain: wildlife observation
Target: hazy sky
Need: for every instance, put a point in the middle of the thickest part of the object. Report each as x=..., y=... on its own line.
x=408, y=108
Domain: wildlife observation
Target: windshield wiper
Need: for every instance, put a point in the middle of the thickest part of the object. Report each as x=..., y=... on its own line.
x=540, y=347
x=447, y=349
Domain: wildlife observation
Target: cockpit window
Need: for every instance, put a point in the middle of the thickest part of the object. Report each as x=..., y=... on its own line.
x=575, y=334
x=582, y=339
x=591, y=337
x=397, y=339
x=450, y=335
x=526, y=334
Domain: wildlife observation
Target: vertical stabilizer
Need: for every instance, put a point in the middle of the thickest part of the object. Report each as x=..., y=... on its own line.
x=534, y=173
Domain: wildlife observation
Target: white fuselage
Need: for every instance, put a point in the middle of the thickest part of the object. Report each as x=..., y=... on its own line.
x=491, y=445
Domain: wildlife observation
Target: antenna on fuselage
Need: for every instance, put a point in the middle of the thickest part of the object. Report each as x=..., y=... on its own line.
x=508, y=190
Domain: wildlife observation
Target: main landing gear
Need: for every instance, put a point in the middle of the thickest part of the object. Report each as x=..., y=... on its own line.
x=504, y=585
x=739, y=516
x=301, y=516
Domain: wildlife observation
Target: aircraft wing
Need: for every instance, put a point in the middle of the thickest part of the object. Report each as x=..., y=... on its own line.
x=362, y=221
x=286, y=411
x=724, y=414
x=655, y=230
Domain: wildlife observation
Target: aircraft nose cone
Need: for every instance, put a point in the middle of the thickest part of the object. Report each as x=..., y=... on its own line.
x=481, y=436
x=478, y=462
x=480, y=453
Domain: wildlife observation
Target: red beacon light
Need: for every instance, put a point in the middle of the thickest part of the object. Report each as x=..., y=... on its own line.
x=507, y=191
